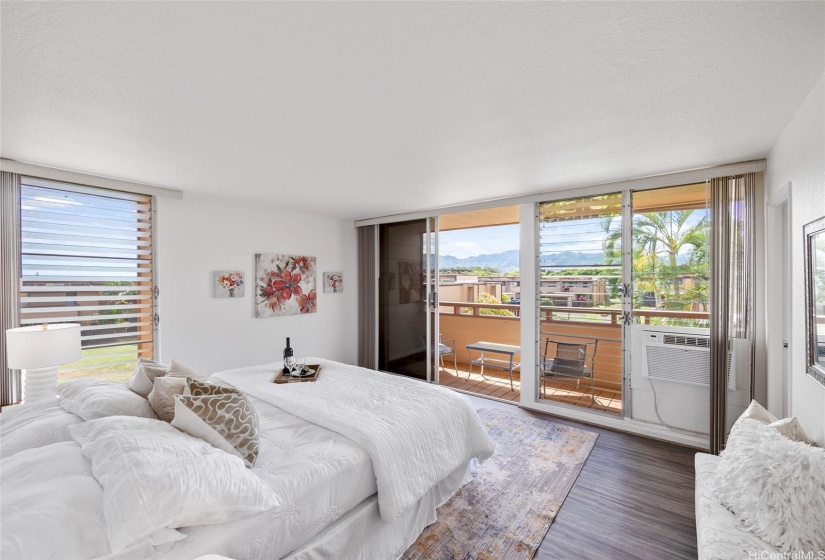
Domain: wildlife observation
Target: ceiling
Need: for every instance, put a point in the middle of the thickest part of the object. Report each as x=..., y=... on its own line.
x=360, y=110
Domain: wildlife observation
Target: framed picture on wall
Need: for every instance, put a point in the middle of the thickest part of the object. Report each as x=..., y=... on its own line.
x=333, y=282
x=285, y=285
x=228, y=284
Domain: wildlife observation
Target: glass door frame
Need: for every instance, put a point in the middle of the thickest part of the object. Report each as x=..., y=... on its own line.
x=431, y=282
x=627, y=299
x=425, y=280
x=626, y=282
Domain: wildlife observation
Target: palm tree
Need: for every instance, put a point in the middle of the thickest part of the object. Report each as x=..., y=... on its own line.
x=666, y=233
x=657, y=237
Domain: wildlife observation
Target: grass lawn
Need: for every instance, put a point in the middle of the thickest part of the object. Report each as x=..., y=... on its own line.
x=97, y=363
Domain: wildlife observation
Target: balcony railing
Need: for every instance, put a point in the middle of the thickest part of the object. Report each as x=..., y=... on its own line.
x=466, y=323
x=550, y=313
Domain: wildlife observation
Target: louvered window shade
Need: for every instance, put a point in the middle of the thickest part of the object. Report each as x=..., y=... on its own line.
x=87, y=258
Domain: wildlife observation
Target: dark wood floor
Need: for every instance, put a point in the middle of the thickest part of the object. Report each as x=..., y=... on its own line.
x=633, y=499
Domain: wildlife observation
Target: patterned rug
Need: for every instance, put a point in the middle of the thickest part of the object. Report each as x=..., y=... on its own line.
x=506, y=511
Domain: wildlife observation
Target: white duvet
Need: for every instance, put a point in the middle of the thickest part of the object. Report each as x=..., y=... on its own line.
x=316, y=474
x=416, y=434
x=52, y=506
x=33, y=426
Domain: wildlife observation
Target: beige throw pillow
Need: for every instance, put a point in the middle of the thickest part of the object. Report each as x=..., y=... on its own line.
x=162, y=397
x=758, y=412
x=788, y=427
x=144, y=376
x=227, y=421
x=177, y=369
x=791, y=429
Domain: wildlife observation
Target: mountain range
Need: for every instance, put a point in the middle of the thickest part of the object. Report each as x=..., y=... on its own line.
x=508, y=261
x=505, y=262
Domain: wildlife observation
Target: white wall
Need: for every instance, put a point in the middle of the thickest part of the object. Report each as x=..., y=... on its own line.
x=199, y=235
x=798, y=158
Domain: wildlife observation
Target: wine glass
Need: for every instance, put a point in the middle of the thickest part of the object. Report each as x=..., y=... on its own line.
x=299, y=366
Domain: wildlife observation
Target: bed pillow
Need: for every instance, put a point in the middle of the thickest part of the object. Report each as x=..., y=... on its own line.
x=775, y=486
x=156, y=479
x=91, y=399
x=162, y=397
x=144, y=376
x=227, y=421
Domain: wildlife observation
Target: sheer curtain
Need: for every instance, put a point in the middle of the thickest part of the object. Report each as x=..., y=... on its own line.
x=367, y=296
x=732, y=201
x=9, y=279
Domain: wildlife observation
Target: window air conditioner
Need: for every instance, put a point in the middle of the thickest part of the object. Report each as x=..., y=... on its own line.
x=682, y=358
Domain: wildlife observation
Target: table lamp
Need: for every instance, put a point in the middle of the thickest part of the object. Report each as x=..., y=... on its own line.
x=38, y=350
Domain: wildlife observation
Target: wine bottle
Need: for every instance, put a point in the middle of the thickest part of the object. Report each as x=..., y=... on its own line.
x=289, y=360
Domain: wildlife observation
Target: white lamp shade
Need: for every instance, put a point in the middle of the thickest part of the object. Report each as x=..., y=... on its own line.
x=35, y=347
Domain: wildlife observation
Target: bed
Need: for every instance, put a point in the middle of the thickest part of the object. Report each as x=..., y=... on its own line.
x=358, y=460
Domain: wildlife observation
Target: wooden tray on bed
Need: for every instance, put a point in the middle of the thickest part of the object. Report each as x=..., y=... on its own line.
x=281, y=378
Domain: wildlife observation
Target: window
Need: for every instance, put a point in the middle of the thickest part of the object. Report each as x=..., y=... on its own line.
x=671, y=269
x=86, y=257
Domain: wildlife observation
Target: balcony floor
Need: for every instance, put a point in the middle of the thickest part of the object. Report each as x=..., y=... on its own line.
x=497, y=385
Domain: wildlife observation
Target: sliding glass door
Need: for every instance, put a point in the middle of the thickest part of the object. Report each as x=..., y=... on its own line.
x=408, y=274
x=625, y=308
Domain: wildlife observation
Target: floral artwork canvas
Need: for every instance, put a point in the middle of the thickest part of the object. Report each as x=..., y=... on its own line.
x=229, y=284
x=285, y=285
x=333, y=282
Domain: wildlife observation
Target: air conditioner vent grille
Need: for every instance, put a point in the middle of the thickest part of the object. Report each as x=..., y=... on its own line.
x=683, y=358
x=687, y=366
x=682, y=340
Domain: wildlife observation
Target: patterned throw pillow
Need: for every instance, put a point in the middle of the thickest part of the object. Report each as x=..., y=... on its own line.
x=143, y=379
x=227, y=421
x=162, y=397
x=198, y=388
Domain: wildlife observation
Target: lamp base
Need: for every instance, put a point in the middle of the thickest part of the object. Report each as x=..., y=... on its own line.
x=39, y=384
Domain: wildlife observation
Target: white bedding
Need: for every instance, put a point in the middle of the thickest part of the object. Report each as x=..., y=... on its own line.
x=317, y=475
x=34, y=425
x=51, y=505
x=416, y=434
x=156, y=478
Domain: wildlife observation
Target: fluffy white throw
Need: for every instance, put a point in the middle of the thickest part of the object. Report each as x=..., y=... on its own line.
x=415, y=433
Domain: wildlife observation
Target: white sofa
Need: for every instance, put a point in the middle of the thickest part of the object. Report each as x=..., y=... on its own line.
x=719, y=534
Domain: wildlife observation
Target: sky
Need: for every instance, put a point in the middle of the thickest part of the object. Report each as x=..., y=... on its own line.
x=463, y=243
x=585, y=235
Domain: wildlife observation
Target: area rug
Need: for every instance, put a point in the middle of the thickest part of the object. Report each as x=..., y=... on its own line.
x=506, y=511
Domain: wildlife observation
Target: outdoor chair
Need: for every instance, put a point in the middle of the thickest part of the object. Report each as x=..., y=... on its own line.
x=571, y=361
x=446, y=348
